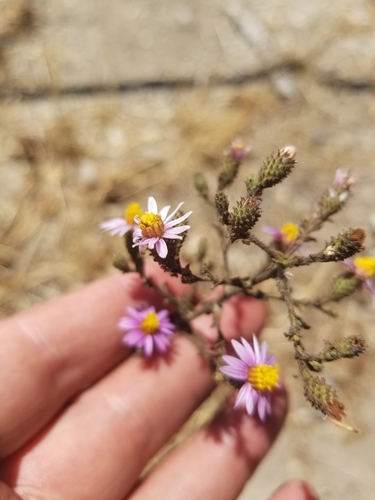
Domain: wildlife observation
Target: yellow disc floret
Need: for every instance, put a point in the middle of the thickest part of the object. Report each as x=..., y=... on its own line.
x=151, y=225
x=366, y=265
x=150, y=324
x=263, y=377
x=290, y=232
x=131, y=211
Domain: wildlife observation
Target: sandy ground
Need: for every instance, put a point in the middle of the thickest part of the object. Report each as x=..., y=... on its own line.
x=105, y=103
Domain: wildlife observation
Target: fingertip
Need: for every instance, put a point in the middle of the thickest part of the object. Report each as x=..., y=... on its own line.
x=162, y=278
x=256, y=436
x=242, y=316
x=295, y=490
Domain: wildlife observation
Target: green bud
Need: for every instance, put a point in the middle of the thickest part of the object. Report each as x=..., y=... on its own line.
x=222, y=205
x=329, y=205
x=200, y=185
x=228, y=173
x=202, y=249
x=122, y=264
x=244, y=217
x=348, y=347
x=322, y=397
x=344, y=285
x=275, y=169
x=345, y=245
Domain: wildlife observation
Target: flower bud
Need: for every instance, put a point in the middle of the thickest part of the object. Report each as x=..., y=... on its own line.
x=222, y=205
x=348, y=347
x=237, y=151
x=322, y=397
x=244, y=217
x=200, y=185
x=346, y=244
x=275, y=169
x=344, y=285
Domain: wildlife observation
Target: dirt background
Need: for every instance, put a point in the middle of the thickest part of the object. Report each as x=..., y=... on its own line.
x=103, y=103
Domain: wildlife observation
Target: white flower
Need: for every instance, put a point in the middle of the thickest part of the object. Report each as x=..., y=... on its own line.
x=154, y=227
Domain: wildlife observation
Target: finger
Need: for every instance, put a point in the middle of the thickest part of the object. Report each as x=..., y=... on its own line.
x=239, y=314
x=294, y=490
x=104, y=438
x=7, y=494
x=216, y=462
x=52, y=351
x=123, y=419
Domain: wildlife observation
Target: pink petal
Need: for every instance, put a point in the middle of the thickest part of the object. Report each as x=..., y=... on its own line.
x=116, y=226
x=369, y=286
x=247, y=355
x=234, y=372
x=161, y=343
x=243, y=394
x=134, y=313
x=167, y=329
x=152, y=205
x=236, y=363
x=137, y=234
x=350, y=264
x=174, y=222
x=170, y=236
x=151, y=243
x=256, y=350
x=273, y=231
x=172, y=214
x=163, y=212
x=128, y=323
x=163, y=314
x=175, y=230
x=161, y=248
x=251, y=401
x=263, y=352
x=148, y=345
x=133, y=338
x=262, y=407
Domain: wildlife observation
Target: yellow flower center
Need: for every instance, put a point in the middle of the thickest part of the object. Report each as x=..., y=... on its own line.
x=150, y=324
x=290, y=232
x=131, y=211
x=366, y=265
x=263, y=377
x=151, y=225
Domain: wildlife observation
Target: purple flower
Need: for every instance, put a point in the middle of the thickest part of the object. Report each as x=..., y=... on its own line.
x=237, y=152
x=146, y=329
x=121, y=225
x=341, y=185
x=364, y=269
x=154, y=227
x=343, y=179
x=259, y=372
x=287, y=234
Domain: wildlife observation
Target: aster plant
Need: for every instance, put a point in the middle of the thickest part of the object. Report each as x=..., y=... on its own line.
x=248, y=367
x=146, y=329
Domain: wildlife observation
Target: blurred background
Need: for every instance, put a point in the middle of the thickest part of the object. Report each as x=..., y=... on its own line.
x=103, y=103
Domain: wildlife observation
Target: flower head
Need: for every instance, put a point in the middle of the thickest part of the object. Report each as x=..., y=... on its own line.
x=154, y=227
x=237, y=151
x=287, y=234
x=259, y=373
x=343, y=179
x=121, y=225
x=341, y=184
x=146, y=329
x=364, y=269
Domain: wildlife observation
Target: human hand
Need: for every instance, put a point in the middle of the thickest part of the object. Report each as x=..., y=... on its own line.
x=80, y=416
